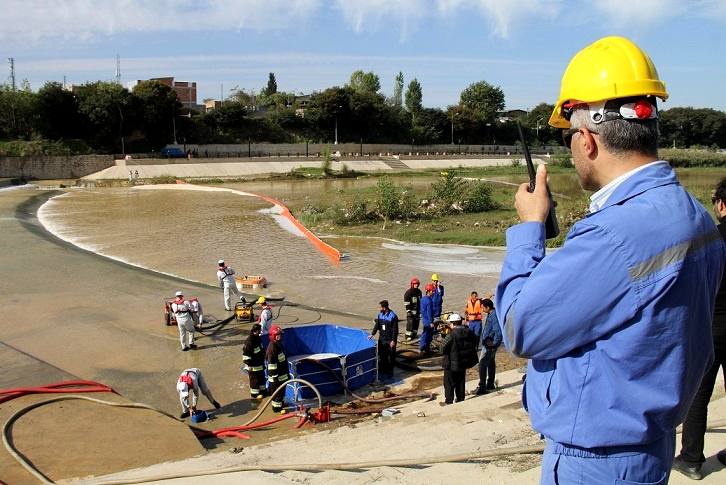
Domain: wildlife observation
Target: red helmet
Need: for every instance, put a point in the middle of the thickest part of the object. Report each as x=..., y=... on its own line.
x=429, y=287
x=275, y=330
x=415, y=281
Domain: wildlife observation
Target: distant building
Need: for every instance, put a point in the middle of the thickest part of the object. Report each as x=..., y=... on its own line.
x=185, y=91
x=510, y=115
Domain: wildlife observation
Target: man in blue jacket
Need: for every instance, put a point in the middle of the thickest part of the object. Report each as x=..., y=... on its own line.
x=489, y=341
x=386, y=325
x=437, y=296
x=427, y=318
x=616, y=323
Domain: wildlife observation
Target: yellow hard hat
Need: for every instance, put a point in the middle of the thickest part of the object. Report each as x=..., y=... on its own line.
x=434, y=277
x=261, y=300
x=610, y=68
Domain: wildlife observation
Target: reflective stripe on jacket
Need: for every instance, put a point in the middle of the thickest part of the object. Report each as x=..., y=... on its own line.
x=616, y=323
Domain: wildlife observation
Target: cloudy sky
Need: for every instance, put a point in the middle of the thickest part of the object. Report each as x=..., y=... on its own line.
x=523, y=46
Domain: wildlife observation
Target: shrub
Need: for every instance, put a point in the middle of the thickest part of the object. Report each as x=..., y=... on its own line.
x=479, y=198
x=447, y=192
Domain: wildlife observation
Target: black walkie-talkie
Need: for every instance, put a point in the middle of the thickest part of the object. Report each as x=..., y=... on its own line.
x=552, y=229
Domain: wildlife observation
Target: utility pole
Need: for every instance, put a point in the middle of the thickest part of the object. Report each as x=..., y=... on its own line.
x=12, y=72
x=118, y=69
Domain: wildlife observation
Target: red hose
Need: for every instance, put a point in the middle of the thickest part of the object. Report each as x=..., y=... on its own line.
x=63, y=387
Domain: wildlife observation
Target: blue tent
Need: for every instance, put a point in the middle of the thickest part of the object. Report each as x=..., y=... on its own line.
x=346, y=351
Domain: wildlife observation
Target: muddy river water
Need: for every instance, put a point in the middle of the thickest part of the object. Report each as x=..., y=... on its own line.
x=185, y=232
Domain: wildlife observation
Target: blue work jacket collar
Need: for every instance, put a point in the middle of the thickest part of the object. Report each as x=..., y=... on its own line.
x=646, y=179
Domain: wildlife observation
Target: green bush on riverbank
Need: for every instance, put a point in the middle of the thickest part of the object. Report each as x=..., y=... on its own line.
x=693, y=158
x=37, y=148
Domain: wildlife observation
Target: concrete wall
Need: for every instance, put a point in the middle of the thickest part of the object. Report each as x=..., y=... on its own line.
x=315, y=149
x=39, y=168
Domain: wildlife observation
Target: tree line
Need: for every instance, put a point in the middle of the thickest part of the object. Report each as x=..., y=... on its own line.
x=105, y=117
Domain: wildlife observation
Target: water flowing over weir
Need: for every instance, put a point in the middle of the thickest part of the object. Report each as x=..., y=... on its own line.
x=183, y=231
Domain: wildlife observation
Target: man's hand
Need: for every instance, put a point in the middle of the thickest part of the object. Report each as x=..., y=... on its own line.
x=534, y=206
x=393, y=344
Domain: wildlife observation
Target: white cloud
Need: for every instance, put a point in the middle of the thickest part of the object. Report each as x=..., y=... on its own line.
x=32, y=20
x=639, y=14
x=503, y=15
x=370, y=15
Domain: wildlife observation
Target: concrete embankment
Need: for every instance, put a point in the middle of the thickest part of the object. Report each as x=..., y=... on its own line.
x=73, y=313
x=239, y=168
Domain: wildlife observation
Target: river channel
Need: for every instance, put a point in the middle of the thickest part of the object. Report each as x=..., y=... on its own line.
x=184, y=233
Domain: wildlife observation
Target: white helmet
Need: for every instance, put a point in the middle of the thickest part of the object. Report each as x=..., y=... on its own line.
x=454, y=317
x=220, y=262
x=179, y=293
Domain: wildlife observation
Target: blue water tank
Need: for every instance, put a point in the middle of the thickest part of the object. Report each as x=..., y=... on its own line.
x=345, y=350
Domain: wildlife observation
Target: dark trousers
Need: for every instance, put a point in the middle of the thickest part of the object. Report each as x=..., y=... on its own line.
x=412, y=325
x=278, y=402
x=454, y=381
x=386, y=358
x=257, y=383
x=694, y=427
x=488, y=365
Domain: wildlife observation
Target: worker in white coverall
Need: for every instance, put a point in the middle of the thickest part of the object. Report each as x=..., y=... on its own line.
x=265, y=315
x=182, y=310
x=225, y=275
x=191, y=381
x=197, y=313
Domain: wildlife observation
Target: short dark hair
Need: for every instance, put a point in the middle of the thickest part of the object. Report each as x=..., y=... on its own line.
x=256, y=328
x=719, y=193
x=383, y=303
x=486, y=302
x=474, y=293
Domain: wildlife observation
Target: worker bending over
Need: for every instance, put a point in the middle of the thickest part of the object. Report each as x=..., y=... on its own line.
x=277, y=368
x=412, y=302
x=191, y=381
x=253, y=358
x=182, y=310
x=225, y=275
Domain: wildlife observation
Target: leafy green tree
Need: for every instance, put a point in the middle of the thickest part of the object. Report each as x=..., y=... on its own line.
x=397, y=99
x=483, y=99
x=159, y=108
x=367, y=82
x=414, y=97
x=109, y=111
x=271, y=87
x=58, y=113
x=18, y=112
x=686, y=127
x=539, y=131
x=323, y=110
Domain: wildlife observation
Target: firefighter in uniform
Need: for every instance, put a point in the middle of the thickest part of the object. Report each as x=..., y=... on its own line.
x=182, y=310
x=225, y=275
x=254, y=362
x=277, y=368
x=412, y=301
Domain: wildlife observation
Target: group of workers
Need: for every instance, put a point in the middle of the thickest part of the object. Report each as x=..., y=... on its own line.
x=426, y=309
x=256, y=360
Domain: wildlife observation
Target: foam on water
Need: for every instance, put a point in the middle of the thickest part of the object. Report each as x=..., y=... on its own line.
x=45, y=213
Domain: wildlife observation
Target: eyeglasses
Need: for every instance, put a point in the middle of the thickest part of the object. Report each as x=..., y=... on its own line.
x=569, y=133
